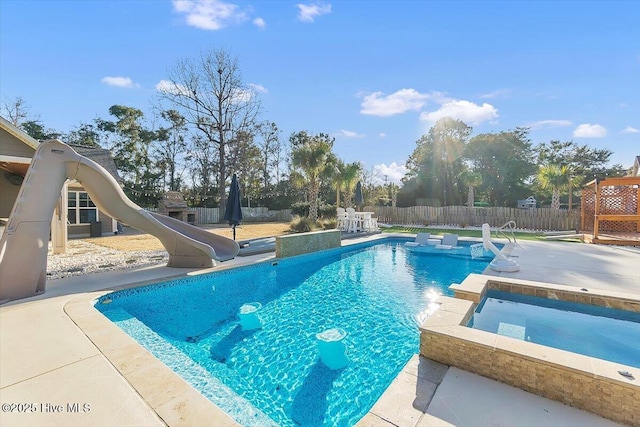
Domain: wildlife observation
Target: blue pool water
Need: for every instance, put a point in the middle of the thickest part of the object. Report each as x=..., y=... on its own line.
x=600, y=332
x=376, y=293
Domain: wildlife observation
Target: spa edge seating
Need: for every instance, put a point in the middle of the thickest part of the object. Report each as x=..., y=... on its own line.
x=448, y=241
x=421, y=240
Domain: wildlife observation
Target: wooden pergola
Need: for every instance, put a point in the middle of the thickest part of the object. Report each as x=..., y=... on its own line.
x=611, y=211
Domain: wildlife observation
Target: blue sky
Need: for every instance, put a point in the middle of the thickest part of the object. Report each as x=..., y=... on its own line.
x=373, y=74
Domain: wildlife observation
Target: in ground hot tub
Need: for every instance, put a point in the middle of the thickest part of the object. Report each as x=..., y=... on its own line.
x=602, y=332
x=507, y=351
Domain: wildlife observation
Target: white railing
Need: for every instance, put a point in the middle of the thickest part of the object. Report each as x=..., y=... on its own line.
x=506, y=231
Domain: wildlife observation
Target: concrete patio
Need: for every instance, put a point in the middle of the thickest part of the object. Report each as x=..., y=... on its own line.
x=48, y=364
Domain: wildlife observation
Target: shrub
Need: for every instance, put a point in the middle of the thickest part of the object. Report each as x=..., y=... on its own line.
x=324, y=211
x=301, y=224
x=300, y=208
x=327, y=211
x=328, y=224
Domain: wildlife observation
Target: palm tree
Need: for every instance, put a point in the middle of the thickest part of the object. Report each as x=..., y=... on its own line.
x=554, y=178
x=344, y=179
x=311, y=160
x=350, y=177
x=336, y=178
x=472, y=180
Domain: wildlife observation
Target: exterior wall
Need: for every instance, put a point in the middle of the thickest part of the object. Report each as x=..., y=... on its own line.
x=12, y=146
x=303, y=243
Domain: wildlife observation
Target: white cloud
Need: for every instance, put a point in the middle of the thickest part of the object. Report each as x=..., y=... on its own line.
x=630, y=129
x=382, y=135
x=167, y=86
x=258, y=88
x=350, y=134
x=391, y=173
x=259, y=22
x=549, y=124
x=308, y=12
x=587, y=130
x=209, y=14
x=245, y=94
x=500, y=93
x=119, y=82
x=466, y=111
x=376, y=104
x=242, y=95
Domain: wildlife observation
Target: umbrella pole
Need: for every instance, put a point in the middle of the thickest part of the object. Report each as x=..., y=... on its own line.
x=234, y=232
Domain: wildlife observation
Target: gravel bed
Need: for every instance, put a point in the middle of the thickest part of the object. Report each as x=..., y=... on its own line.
x=85, y=258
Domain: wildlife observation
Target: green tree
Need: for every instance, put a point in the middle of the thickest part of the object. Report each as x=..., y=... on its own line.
x=36, y=130
x=270, y=152
x=435, y=163
x=245, y=158
x=85, y=134
x=130, y=145
x=309, y=158
x=554, y=178
x=584, y=163
x=505, y=161
x=171, y=148
x=472, y=180
x=201, y=156
x=344, y=179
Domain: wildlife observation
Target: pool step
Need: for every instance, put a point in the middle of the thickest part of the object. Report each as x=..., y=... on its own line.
x=217, y=392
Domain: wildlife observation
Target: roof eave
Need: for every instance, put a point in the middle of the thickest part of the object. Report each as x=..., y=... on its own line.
x=18, y=133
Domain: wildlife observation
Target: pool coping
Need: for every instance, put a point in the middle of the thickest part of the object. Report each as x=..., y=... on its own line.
x=588, y=383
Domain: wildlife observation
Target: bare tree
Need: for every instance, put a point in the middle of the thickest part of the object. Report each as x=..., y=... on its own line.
x=172, y=148
x=202, y=169
x=17, y=111
x=271, y=151
x=209, y=93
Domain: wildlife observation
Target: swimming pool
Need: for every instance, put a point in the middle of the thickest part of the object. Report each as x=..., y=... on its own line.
x=377, y=293
x=600, y=332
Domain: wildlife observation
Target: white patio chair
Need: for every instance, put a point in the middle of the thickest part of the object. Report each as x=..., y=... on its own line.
x=341, y=219
x=354, y=222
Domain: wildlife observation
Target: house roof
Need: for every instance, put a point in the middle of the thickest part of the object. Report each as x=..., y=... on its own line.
x=101, y=156
x=19, y=165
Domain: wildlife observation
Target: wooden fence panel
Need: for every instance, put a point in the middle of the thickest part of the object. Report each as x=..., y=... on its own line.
x=207, y=215
x=257, y=214
x=532, y=219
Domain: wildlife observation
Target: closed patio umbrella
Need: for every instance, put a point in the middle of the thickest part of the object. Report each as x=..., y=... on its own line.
x=233, y=211
x=359, y=199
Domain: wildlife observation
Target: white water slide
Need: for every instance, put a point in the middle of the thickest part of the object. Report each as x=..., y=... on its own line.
x=501, y=262
x=24, y=244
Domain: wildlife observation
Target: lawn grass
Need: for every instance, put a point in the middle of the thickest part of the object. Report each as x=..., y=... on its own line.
x=459, y=231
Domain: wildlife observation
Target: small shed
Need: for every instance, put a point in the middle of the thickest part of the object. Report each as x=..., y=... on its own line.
x=528, y=203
